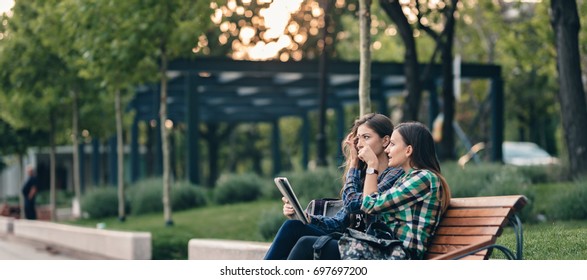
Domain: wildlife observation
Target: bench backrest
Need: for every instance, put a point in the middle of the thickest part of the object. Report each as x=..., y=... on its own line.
x=472, y=223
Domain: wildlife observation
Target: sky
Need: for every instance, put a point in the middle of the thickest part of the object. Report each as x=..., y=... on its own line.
x=5, y=5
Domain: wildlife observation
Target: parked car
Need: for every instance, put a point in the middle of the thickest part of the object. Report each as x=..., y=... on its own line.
x=526, y=153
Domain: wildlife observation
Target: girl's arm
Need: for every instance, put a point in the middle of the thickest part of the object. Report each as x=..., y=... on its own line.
x=415, y=187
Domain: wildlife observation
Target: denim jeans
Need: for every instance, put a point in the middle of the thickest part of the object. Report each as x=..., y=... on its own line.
x=304, y=249
x=288, y=235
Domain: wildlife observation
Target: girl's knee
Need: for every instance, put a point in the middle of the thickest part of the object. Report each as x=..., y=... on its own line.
x=292, y=225
x=306, y=241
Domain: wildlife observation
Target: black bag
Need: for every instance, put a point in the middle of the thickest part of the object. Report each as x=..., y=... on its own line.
x=321, y=241
x=378, y=243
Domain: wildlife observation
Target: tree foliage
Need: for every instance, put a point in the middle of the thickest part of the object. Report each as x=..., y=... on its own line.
x=33, y=81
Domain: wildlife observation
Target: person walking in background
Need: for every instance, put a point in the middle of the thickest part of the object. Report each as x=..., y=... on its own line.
x=29, y=192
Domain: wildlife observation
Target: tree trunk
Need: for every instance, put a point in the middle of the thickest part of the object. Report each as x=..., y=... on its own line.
x=76, y=156
x=323, y=89
x=52, y=169
x=120, y=156
x=365, y=61
x=21, y=183
x=165, y=142
x=447, y=144
x=411, y=109
x=566, y=24
x=213, y=151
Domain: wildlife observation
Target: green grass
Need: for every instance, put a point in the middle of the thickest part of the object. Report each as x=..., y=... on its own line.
x=551, y=241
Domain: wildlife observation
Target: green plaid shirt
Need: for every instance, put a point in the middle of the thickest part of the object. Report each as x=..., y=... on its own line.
x=411, y=208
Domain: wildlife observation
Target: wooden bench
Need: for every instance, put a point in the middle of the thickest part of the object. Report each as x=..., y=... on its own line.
x=471, y=226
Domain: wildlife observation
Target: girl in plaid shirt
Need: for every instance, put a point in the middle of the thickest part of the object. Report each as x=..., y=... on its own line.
x=412, y=208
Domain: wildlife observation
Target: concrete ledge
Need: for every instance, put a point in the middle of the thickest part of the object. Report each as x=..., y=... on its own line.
x=6, y=225
x=108, y=243
x=215, y=249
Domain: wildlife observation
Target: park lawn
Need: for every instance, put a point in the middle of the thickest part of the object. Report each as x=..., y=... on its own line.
x=544, y=241
x=551, y=240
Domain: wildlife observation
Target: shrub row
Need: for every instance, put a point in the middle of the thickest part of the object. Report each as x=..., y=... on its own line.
x=570, y=204
x=142, y=197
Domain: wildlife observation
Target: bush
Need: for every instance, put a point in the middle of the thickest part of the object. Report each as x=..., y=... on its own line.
x=511, y=182
x=62, y=198
x=570, y=204
x=232, y=188
x=491, y=179
x=101, y=202
x=146, y=196
x=186, y=196
x=270, y=222
x=169, y=244
x=468, y=181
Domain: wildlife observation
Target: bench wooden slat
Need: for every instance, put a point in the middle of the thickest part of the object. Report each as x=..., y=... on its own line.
x=479, y=212
x=515, y=201
x=437, y=250
x=490, y=221
x=462, y=240
x=470, y=257
x=480, y=230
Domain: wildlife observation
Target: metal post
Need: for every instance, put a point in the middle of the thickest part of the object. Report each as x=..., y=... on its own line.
x=497, y=123
x=276, y=139
x=193, y=120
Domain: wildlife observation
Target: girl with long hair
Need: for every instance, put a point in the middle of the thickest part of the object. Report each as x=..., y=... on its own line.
x=412, y=208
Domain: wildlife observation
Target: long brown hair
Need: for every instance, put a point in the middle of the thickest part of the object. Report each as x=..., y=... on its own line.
x=380, y=123
x=424, y=154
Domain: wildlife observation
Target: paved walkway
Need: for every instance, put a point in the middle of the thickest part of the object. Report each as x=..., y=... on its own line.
x=12, y=248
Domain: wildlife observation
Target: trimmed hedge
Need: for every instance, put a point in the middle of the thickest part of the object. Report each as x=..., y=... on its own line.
x=142, y=197
x=101, y=202
x=232, y=188
x=570, y=204
x=146, y=196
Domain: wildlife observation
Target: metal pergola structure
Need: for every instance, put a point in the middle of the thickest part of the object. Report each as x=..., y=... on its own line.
x=214, y=90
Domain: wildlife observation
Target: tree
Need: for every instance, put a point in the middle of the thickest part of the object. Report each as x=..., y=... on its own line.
x=566, y=25
x=114, y=38
x=130, y=37
x=394, y=10
x=243, y=34
x=56, y=30
x=444, y=42
x=365, y=62
x=31, y=84
x=176, y=28
x=437, y=19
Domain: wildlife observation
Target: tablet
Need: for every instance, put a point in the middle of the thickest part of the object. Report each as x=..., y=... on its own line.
x=285, y=188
